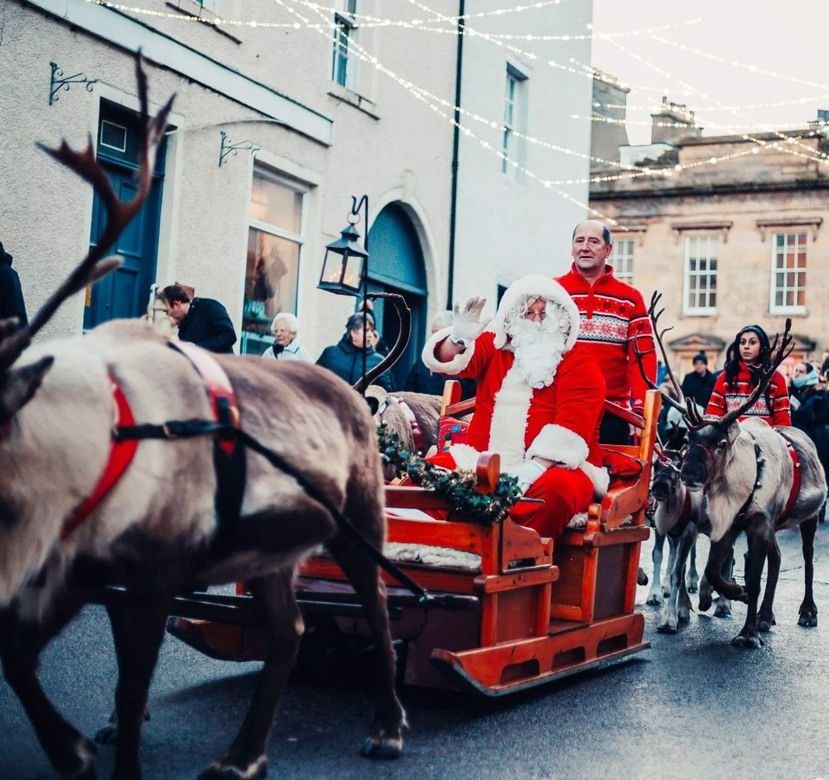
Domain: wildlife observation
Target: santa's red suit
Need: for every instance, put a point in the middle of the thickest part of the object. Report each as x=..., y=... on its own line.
x=558, y=422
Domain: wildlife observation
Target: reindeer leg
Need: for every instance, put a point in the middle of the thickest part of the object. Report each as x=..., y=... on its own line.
x=655, y=595
x=717, y=556
x=722, y=606
x=765, y=617
x=692, y=582
x=246, y=757
x=389, y=717
x=808, y=608
x=21, y=642
x=675, y=605
x=138, y=630
x=758, y=544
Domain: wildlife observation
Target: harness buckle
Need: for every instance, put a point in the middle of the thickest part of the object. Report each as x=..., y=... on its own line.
x=168, y=432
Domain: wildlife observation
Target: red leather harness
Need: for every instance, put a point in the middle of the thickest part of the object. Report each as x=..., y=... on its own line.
x=796, y=477
x=122, y=450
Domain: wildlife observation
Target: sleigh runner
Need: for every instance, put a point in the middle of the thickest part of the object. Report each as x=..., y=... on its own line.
x=522, y=610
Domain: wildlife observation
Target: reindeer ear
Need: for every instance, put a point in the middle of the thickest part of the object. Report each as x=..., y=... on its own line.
x=20, y=385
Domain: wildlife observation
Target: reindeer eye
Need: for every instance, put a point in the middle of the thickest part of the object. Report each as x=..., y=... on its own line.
x=721, y=444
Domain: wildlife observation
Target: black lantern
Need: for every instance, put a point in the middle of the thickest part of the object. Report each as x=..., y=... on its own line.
x=344, y=266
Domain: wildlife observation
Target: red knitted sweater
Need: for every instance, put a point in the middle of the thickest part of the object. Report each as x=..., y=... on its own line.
x=614, y=321
x=723, y=399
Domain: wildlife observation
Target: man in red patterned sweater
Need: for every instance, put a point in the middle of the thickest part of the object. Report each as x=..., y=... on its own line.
x=614, y=324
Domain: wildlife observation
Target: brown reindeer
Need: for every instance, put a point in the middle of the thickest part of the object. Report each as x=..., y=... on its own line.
x=756, y=479
x=173, y=519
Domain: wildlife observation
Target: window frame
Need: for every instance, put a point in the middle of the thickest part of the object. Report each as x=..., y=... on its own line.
x=300, y=239
x=514, y=120
x=625, y=275
x=796, y=308
x=687, y=308
x=344, y=27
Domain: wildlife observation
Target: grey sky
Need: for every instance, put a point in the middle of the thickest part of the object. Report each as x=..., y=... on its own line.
x=787, y=38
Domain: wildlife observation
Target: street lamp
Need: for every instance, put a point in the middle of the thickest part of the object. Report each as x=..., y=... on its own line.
x=345, y=272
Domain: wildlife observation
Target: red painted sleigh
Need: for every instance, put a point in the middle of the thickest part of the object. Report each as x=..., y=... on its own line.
x=526, y=610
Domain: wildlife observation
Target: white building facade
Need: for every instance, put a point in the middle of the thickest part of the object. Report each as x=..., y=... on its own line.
x=275, y=126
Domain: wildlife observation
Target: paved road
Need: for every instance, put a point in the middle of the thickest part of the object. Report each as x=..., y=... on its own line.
x=690, y=706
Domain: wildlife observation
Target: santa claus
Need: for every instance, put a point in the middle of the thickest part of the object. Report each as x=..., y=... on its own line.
x=538, y=404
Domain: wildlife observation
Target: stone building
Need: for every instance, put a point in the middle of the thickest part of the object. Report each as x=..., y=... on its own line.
x=284, y=111
x=728, y=228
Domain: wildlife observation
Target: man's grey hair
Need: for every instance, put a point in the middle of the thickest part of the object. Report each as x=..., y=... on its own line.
x=607, y=236
x=290, y=321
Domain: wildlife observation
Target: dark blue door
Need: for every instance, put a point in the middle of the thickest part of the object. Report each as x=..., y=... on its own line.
x=396, y=265
x=125, y=292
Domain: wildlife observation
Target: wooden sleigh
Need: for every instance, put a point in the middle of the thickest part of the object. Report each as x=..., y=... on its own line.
x=524, y=610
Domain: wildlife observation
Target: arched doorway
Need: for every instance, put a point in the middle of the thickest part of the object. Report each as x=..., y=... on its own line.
x=396, y=265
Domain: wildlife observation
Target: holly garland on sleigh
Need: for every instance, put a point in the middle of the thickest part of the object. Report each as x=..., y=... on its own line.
x=458, y=487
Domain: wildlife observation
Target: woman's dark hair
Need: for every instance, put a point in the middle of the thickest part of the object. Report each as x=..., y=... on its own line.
x=732, y=359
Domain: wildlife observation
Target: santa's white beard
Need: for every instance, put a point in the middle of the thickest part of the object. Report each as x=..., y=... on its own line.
x=538, y=347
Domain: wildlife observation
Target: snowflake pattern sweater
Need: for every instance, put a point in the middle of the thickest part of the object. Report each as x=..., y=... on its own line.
x=723, y=399
x=614, y=323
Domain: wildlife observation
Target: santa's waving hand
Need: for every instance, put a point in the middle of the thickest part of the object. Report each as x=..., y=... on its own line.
x=539, y=399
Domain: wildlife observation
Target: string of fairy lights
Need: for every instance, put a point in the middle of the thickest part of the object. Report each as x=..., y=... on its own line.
x=434, y=103
x=788, y=141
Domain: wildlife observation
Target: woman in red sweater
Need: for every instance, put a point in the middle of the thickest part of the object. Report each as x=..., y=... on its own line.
x=748, y=355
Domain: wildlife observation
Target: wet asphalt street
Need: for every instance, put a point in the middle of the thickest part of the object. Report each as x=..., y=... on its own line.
x=692, y=706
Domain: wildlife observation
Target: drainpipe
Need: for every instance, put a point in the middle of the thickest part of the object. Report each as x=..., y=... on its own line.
x=456, y=142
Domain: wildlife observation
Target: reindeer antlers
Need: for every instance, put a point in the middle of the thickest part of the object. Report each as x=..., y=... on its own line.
x=677, y=402
x=119, y=215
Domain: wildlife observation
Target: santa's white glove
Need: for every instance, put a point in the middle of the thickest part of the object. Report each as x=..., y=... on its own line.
x=466, y=325
x=527, y=473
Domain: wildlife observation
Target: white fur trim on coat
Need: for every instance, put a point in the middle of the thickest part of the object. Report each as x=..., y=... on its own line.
x=600, y=477
x=541, y=287
x=555, y=442
x=454, y=366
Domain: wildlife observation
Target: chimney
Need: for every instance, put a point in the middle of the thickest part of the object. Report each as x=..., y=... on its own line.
x=609, y=103
x=673, y=123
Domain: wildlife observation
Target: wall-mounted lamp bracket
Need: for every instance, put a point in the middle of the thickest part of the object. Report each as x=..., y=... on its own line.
x=226, y=148
x=58, y=81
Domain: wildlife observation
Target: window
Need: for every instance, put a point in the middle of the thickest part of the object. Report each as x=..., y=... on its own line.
x=515, y=114
x=701, y=274
x=345, y=31
x=622, y=259
x=275, y=239
x=788, y=272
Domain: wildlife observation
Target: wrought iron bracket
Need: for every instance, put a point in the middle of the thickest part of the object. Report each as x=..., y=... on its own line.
x=58, y=81
x=226, y=148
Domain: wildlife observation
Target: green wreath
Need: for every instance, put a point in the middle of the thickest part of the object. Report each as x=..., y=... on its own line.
x=459, y=488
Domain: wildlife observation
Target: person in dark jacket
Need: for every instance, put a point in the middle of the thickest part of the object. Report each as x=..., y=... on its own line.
x=700, y=382
x=11, y=295
x=202, y=321
x=345, y=358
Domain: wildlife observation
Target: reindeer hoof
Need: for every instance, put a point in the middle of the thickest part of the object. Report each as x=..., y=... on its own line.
x=722, y=611
x=383, y=748
x=654, y=600
x=748, y=642
x=81, y=764
x=221, y=769
x=666, y=628
x=108, y=735
x=807, y=620
x=691, y=587
x=765, y=622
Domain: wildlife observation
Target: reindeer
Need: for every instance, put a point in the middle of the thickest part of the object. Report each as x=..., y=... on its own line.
x=759, y=480
x=173, y=519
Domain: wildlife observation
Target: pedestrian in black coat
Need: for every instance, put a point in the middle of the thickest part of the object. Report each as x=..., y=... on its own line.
x=700, y=382
x=11, y=295
x=202, y=321
x=345, y=358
